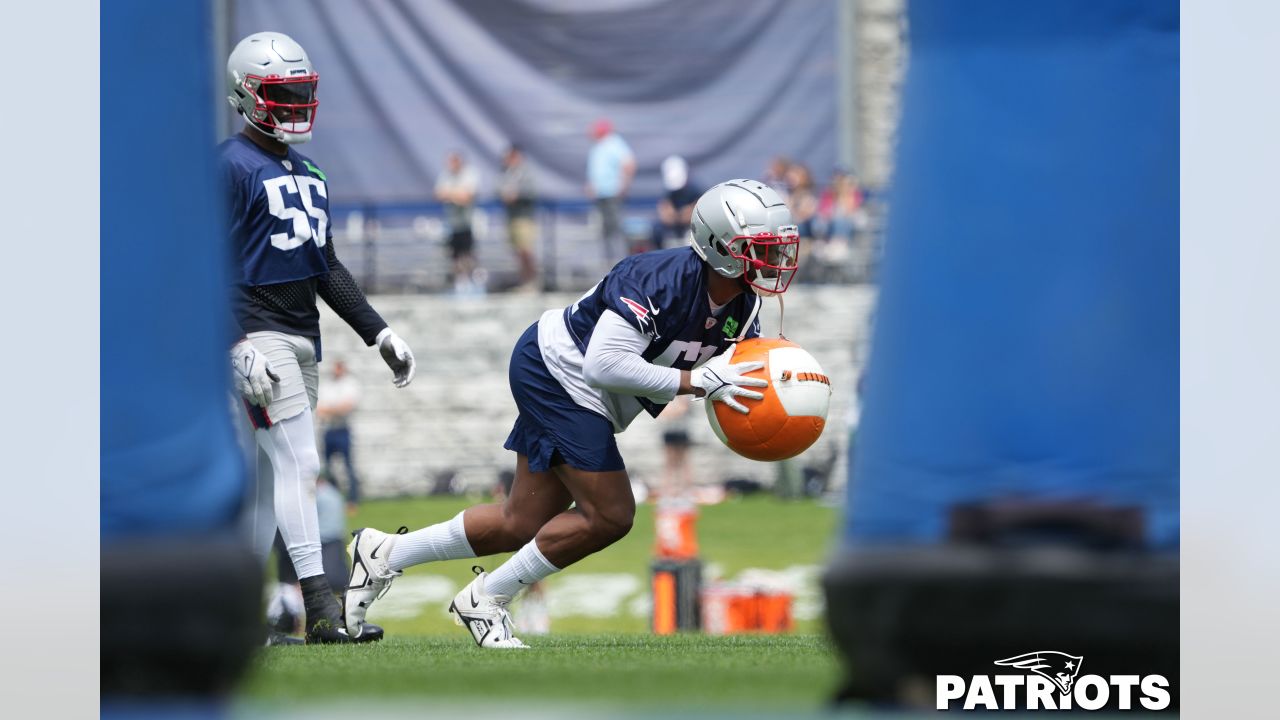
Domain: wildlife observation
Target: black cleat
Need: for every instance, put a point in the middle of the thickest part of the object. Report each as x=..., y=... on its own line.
x=368, y=633
x=326, y=631
x=324, y=615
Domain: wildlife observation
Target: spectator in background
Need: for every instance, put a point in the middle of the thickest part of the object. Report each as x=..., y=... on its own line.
x=802, y=198
x=333, y=531
x=841, y=204
x=841, y=217
x=456, y=188
x=675, y=208
x=610, y=167
x=339, y=400
x=519, y=192
x=775, y=176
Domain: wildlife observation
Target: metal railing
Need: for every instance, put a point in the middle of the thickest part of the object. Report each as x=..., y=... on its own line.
x=403, y=247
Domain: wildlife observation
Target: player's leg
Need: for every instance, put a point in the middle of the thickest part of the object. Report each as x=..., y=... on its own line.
x=604, y=510
x=295, y=462
x=551, y=435
x=603, y=513
x=578, y=447
x=377, y=558
x=535, y=498
x=260, y=523
x=258, y=520
x=262, y=530
x=289, y=443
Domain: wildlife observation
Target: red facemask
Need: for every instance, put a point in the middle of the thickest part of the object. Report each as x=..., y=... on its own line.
x=769, y=261
x=285, y=104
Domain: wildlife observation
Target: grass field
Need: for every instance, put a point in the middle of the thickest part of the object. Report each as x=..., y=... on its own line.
x=591, y=658
x=635, y=671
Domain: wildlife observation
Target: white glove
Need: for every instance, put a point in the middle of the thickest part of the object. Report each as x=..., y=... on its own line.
x=724, y=382
x=253, y=373
x=398, y=357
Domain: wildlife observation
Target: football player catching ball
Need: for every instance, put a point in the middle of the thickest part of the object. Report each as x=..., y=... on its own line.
x=655, y=327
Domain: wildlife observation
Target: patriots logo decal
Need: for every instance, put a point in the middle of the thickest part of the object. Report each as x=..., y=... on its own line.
x=1058, y=667
x=644, y=315
x=640, y=311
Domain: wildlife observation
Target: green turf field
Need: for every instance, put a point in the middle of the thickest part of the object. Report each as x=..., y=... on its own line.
x=758, y=532
x=634, y=671
x=594, y=655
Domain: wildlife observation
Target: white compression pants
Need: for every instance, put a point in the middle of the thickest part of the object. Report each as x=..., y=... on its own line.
x=288, y=464
x=286, y=456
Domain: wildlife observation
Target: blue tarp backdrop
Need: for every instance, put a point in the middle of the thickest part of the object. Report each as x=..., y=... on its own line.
x=725, y=83
x=170, y=463
x=1027, y=333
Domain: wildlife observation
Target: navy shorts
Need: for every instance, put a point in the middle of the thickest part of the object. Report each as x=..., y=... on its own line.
x=552, y=429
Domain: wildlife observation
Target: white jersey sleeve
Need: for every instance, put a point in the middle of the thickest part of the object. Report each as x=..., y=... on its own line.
x=613, y=362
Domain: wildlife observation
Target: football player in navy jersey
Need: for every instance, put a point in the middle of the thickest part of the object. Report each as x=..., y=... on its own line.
x=281, y=238
x=655, y=327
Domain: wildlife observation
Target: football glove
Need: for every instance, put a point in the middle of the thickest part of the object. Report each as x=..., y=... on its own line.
x=398, y=357
x=253, y=373
x=724, y=382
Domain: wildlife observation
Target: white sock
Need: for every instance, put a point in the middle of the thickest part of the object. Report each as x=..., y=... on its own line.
x=442, y=541
x=526, y=567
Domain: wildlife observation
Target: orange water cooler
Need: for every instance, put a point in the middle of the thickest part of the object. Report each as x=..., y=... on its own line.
x=677, y=571
x=729, y=609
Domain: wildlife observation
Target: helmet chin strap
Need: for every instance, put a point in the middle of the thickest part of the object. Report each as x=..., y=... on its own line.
x=755, y=310
x=781, y=313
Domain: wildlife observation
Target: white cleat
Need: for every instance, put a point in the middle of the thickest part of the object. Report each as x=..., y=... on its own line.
x=370, y=575
x=484, y=615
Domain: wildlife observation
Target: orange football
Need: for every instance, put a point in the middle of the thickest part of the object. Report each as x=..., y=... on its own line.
x=793, y=412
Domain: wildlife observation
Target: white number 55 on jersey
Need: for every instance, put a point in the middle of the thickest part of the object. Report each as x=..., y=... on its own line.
x=302, y=231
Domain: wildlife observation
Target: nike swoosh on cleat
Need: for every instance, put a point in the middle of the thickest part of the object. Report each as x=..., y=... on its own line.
x=474, y=604
x=374, y=554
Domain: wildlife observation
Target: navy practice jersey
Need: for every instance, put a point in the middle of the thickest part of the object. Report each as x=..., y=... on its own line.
x=663, y=294
x=281, y=243
x=279, y=213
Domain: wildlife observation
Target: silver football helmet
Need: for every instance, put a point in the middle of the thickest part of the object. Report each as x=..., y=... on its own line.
x=271, y=82
x=742, y=228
